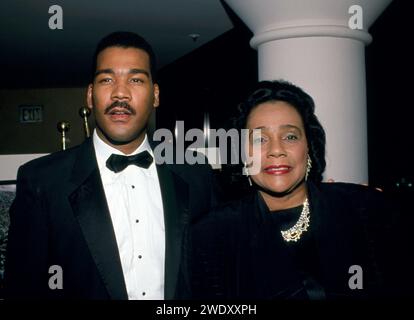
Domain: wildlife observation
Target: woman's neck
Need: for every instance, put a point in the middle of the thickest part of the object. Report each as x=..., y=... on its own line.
x=290, y=200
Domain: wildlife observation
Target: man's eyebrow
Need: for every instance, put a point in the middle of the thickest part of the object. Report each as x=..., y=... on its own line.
x=131, y=71
x=98, y=72
x=135, y=71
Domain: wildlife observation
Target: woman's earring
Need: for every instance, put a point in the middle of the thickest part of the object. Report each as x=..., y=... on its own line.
x=308, y=167
x=246, y=173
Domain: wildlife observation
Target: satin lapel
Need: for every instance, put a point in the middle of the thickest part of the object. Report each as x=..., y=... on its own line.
x=174, y=193
x=89, y=205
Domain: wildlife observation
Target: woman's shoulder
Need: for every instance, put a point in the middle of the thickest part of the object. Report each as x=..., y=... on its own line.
x=357, y=201
x=350, y=191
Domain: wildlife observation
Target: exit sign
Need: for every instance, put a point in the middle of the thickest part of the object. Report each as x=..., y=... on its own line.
x=30, y=114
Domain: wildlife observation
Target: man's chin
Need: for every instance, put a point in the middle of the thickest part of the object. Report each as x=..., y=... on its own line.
x=117, y=140
x=120, y=140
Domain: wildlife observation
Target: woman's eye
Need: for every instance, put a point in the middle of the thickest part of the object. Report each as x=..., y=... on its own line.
x=258, y=140
x=291, y=137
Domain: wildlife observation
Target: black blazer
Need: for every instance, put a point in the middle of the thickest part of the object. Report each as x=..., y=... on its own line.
x=349, y=225
x=60, y=217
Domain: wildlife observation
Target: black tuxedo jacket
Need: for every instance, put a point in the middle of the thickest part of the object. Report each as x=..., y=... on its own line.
x=349, y=225
x=60, y=217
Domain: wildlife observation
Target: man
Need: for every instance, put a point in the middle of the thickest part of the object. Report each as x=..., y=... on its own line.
x=86, y=224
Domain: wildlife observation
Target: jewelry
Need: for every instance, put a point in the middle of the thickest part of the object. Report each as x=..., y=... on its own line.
x=308, y=167
x=294, y=233
x=246, y=173
x=250, y=181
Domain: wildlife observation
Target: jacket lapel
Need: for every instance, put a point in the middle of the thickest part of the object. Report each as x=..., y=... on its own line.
x=174, y=191
x=90, y=207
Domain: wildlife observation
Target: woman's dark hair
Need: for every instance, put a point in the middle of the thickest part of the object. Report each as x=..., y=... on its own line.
x=280, y=90
x=125, y=39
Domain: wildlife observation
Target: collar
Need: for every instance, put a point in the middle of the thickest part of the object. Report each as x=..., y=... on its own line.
x=103, y=150
x=314, y=198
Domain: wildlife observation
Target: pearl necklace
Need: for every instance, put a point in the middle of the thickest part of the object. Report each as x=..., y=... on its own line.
x=294, y=233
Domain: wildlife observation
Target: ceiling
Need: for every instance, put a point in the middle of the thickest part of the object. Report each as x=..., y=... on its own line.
x=32, y=55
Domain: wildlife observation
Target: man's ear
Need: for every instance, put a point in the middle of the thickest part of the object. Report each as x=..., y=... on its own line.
x=156, y=95
x=89, y=96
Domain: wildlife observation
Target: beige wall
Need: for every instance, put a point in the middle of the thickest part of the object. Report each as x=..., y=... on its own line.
x=58, y=104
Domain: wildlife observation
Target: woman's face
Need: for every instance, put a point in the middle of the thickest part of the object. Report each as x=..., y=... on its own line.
x=283, y=146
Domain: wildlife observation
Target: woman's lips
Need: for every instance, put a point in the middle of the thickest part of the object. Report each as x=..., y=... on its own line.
x=277, y=170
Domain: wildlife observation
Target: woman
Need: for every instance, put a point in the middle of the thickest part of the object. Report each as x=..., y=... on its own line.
x=293, y=237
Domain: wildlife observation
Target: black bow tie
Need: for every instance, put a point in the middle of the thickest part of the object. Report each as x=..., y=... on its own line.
x=117, y=163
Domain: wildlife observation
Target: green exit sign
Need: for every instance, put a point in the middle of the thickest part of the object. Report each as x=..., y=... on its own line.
x=30, y=114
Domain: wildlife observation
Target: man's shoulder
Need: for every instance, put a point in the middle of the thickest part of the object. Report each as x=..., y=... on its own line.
x=51, y=163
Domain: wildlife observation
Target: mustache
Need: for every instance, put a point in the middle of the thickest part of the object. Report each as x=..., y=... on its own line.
x=119, y=104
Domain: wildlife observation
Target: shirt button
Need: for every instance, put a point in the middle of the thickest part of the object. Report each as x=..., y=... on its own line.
x=143, y=293
x=133, y=187
x=139, y=257
x=137, y=221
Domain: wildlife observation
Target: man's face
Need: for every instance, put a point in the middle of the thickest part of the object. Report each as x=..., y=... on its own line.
x=122, y=96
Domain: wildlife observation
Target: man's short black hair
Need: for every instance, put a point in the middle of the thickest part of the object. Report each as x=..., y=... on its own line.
x=125, y=39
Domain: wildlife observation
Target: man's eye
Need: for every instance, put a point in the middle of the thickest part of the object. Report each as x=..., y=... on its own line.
x=105, y=80
x=137, y=80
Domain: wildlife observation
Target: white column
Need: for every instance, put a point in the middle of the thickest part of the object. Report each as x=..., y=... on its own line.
x=309, y=43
